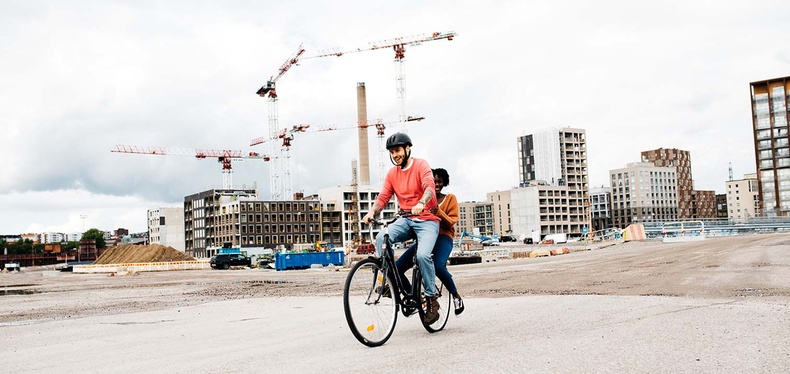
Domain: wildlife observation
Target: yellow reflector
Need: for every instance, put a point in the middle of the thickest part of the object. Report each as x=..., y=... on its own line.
x=371, y=327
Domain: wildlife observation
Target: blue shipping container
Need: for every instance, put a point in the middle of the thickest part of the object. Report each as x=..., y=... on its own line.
x=286, y=261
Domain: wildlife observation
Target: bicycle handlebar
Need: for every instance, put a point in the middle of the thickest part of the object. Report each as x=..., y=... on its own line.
x=400, y=214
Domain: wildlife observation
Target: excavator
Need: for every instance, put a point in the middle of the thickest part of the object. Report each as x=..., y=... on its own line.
x=484, y=240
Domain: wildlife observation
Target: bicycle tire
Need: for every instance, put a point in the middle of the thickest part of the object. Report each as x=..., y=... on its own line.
x=370, y=316
x=443, y=297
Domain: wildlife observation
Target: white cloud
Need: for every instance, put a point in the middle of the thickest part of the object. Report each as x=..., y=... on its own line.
x=82, y=77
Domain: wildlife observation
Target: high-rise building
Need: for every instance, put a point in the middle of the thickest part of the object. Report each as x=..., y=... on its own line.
x=692, y=204
x=743, y=198
x=771, y=149
x=558, y=157
x=680, y=160
x=643, y=192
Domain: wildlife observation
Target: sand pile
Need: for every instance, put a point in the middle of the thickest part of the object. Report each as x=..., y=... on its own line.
x=141, y=253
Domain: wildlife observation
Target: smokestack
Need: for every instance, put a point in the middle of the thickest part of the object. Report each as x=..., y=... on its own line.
x=362, y=119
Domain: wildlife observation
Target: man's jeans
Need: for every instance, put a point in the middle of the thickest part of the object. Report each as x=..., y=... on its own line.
x=426, y=231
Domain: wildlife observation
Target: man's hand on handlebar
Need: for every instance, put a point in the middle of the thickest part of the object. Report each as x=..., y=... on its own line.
x=368, y=219
x=417, y=208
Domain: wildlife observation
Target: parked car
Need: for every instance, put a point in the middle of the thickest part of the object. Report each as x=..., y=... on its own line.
x=225, y=261
x=365, y=248
x=507, y=238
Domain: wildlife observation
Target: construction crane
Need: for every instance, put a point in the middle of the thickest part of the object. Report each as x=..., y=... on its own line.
x=399, y=46
x=225, y=157
x=280, y=181
x=287, y=135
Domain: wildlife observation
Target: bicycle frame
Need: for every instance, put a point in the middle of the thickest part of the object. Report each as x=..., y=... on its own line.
x=405, y=298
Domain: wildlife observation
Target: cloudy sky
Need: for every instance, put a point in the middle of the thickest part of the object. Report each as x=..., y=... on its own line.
x=79, y=77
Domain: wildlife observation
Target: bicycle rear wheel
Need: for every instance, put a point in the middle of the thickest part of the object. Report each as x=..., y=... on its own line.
x=370, y=314
x=443, y=297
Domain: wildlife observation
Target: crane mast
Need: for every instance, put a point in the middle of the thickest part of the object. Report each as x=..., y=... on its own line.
x=280, y=182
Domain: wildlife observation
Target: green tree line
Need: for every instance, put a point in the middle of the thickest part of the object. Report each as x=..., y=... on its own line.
x=26, y=246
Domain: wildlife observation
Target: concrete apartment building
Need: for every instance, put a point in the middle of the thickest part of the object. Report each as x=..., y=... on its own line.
x=500, y=210
x=475, y=218
x=341, y=199
x=558, y=158
x=643, y=192
x=259, y=223
x=601, y=208
x=743, y=198
x=201, y=212
x=166, y=227
x=769, y=103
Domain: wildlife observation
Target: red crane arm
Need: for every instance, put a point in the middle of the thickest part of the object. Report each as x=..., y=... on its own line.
x=397, y=43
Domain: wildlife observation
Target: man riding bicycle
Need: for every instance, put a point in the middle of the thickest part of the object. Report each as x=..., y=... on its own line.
x=411, y=180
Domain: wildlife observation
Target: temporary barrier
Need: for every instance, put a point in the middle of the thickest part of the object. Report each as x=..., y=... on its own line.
x=634, y=231
x=142, y=266
x=286, y=261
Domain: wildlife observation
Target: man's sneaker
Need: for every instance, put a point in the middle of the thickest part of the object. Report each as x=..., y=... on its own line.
x=459, y=305
x=431, y=310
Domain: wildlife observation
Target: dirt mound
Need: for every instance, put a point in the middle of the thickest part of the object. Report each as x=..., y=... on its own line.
x=141, y=253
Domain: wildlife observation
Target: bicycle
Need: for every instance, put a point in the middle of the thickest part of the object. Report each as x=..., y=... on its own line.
x=373, y=295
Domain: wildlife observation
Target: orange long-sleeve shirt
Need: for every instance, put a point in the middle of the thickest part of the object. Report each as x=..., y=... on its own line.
x=408, y=185
x=448, y=213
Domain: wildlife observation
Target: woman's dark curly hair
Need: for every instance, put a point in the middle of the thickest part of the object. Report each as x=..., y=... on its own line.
x=441, y=173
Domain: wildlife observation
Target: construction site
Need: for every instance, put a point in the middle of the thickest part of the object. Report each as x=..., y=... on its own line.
x=240, y=217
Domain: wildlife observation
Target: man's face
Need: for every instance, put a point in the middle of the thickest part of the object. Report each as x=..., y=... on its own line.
x=398, y=154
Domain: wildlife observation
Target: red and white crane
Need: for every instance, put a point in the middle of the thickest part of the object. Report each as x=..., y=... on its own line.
x=225, y=157
x=281, y=184
x=399, y=46
x=286, y=134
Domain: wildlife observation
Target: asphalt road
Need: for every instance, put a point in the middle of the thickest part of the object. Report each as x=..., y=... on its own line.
x=542, y=334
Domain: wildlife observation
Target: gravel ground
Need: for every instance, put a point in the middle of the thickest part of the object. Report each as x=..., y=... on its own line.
x=754, y=267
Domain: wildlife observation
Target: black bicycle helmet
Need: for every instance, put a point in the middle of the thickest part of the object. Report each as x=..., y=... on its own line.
x=398, y=139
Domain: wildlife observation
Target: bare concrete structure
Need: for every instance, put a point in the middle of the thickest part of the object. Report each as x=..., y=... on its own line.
x=362, y=131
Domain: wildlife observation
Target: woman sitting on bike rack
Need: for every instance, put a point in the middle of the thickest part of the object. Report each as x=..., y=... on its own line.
x=411, y=181
x=448, y=213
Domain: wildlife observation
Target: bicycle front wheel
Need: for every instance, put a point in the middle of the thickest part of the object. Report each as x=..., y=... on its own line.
x=443, y=297
x=371, y=309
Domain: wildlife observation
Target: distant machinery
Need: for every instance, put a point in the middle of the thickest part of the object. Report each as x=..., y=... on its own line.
x=225, y=157
x=281, y=184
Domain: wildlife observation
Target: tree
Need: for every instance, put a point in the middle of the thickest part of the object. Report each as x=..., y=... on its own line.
x=96, y=235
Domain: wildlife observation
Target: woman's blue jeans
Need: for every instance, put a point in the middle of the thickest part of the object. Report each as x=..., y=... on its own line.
x=441, y=253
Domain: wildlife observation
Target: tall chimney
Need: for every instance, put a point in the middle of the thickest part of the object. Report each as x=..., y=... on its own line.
x=362, y=119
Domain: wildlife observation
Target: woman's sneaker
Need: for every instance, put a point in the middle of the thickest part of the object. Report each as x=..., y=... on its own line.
x=459, y=305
